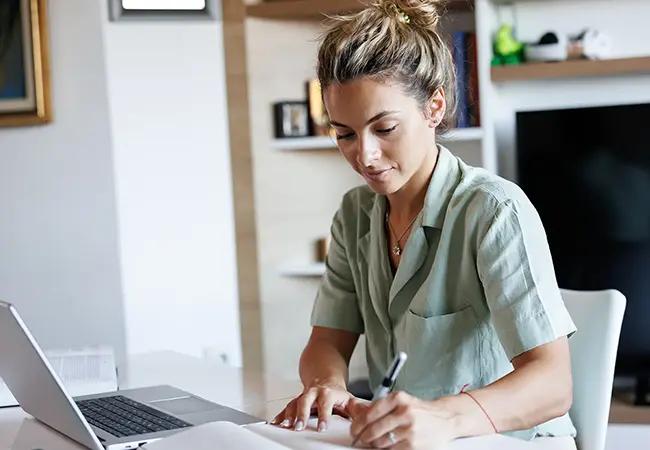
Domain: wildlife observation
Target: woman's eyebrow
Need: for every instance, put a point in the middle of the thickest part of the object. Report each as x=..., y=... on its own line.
x=374, y=118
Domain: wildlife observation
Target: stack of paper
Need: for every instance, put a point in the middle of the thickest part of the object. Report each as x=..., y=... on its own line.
x=84, y=371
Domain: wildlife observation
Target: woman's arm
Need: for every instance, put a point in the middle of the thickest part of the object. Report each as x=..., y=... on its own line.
x=526, y=307
x=538, y=390
x=325, y=359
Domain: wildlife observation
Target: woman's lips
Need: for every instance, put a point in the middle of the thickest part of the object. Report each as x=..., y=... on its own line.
x=377, y=175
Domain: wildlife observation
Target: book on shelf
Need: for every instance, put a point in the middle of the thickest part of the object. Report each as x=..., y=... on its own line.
x=465, y=56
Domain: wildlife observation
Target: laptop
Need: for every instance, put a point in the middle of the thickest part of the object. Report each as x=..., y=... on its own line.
x=125, y=419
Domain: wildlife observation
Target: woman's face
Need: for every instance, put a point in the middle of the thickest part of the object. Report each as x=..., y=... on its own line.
x=383, y=133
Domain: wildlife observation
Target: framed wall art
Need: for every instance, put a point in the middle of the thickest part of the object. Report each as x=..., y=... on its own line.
x=24, y=63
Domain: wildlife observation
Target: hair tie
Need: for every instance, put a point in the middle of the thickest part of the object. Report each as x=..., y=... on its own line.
x=403, y=16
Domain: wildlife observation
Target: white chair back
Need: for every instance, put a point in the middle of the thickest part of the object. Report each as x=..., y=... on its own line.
x=598, y=315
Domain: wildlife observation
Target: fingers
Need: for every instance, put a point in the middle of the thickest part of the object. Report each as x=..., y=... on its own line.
x=372, y=413
x=374, y=422
x=289, y=415
x=280, y=417
x=325, y=405
x=341, y=411
x=297, y=412
x=304, y=406
x=356, y=407
x=286, y=416
x=395, y=439
x=377, y=435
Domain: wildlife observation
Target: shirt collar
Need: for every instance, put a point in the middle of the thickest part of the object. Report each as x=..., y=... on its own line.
x=441, y=188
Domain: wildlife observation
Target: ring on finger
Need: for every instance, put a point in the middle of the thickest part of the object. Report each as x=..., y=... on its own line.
x=391, y=436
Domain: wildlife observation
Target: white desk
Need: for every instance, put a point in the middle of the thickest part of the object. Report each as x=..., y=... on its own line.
x=253, y=393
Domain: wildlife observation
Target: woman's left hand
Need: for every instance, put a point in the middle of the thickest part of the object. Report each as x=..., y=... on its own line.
x=402, y=422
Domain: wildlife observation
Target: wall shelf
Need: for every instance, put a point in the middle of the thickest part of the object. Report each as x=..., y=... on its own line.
x=570, y=69
x=304, y=143
x=463, y=135
x=327, y=142
x=307, y=270
x=314, y=9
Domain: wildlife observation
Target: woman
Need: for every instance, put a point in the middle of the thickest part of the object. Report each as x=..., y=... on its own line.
x=443, y=261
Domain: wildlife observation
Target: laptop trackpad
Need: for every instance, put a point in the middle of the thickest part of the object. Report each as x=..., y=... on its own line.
x=184, y=405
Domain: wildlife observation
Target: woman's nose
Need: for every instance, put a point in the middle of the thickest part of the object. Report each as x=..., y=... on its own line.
x=367, y=153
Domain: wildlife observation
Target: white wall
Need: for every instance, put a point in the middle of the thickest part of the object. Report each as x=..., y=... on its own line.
x=166, y=83
x=58, y=240
x=625, y=21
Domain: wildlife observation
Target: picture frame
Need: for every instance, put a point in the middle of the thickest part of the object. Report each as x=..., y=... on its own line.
x=291, y=119
x=129, y=10
x=25, y=97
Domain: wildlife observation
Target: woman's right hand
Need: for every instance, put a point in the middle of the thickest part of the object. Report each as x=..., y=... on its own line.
x=323, y=399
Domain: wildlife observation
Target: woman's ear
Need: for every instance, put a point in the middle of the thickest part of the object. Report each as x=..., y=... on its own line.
x=436, y=108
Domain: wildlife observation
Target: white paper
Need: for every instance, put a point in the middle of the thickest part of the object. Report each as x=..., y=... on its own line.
x=214, y=436
x=337, y=435
x=84, y=371
x=229, y=436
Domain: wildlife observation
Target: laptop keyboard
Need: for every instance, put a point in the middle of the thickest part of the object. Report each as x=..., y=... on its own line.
x=121, y=416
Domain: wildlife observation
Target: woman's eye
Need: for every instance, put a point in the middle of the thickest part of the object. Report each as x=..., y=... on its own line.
x=344, y=136
x=387, y=130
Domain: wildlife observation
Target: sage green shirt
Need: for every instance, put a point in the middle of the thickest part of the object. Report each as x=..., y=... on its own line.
x=475, y=286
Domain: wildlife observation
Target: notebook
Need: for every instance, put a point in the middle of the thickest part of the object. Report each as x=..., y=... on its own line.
x=226, y=435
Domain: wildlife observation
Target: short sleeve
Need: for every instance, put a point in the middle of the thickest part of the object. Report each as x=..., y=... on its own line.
x=516, y=270
x=336, y=304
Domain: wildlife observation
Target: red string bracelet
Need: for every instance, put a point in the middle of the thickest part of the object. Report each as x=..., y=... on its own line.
x=462, y=391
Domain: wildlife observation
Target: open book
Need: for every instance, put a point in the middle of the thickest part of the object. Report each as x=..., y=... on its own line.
x=82, y=372
x=227, y=435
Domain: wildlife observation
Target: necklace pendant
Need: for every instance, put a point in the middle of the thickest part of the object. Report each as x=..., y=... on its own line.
x=397, y=250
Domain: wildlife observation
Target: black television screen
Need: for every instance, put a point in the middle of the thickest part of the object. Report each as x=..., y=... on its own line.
x=587, y=171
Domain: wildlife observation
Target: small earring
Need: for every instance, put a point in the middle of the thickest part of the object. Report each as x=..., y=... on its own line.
x=435, y=121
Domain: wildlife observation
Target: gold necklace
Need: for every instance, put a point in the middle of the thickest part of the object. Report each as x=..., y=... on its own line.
x=397, y=250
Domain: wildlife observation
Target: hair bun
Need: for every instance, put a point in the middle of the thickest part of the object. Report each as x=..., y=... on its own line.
x=420, y=13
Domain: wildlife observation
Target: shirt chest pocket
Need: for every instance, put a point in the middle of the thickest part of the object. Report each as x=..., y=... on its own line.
x=443, y=352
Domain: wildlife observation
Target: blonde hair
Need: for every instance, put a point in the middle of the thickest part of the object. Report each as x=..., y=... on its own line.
x=391, y=40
